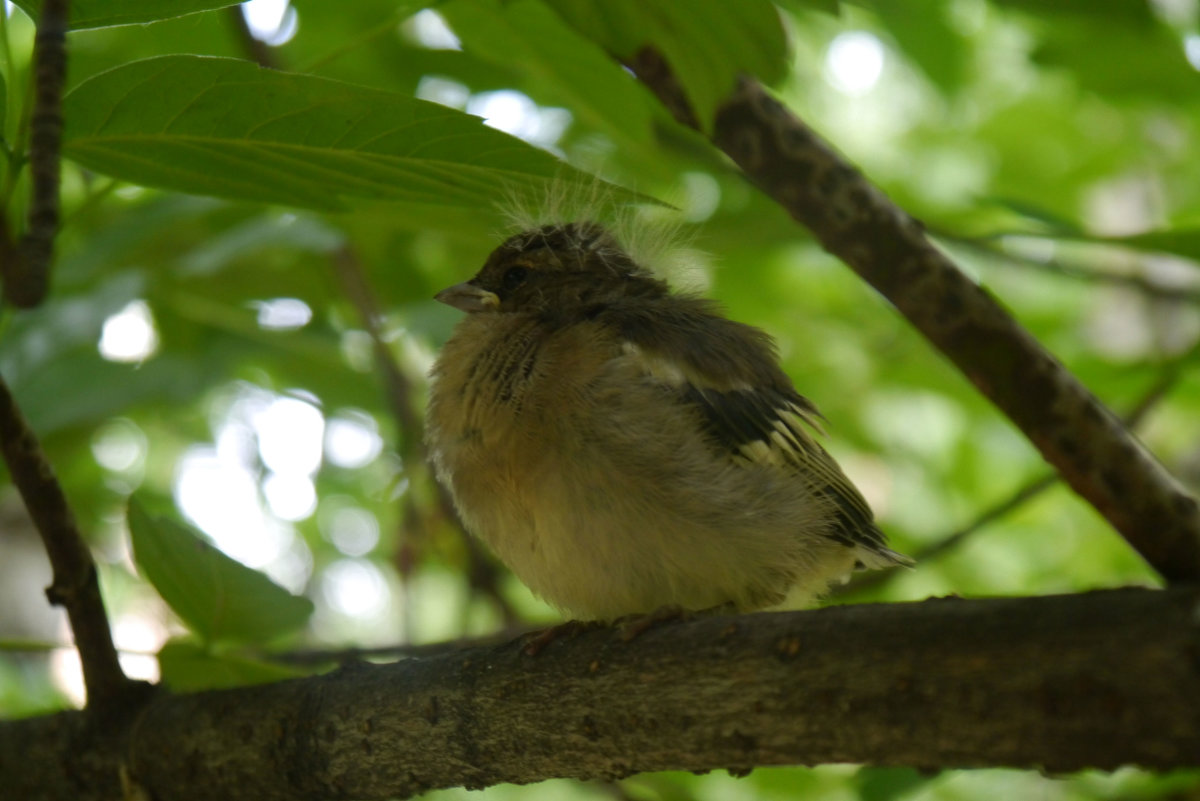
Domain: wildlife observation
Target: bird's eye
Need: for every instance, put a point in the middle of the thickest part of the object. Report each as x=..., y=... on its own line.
x=513, y=277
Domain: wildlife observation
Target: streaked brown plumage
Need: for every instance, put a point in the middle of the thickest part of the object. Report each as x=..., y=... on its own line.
x=623, y=448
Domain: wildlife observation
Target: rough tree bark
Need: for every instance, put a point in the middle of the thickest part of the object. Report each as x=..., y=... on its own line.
x=1061, y=683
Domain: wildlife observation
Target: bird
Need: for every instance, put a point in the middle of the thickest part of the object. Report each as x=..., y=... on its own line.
x=624, y=448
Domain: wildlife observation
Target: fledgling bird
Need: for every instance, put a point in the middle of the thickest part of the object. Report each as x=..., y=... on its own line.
x=624, y=448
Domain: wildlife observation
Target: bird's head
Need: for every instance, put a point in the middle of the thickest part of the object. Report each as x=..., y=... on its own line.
x=561, y=268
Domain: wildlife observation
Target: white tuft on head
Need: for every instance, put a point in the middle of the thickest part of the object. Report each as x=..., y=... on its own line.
x=650, y=233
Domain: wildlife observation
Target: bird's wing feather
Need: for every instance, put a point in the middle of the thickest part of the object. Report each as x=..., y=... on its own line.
x=771, y=425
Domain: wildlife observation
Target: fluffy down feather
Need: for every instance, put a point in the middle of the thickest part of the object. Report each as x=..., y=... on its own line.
x=623, y=448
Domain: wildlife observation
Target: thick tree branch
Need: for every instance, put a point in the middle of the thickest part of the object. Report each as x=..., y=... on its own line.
x=856, y=222
x=1060, y=683
x=26, y=268
x=75, y=586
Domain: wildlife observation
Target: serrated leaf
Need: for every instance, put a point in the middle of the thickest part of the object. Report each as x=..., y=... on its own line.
x=189, y=667
x=217, y=126
x=708, y=43
x=216, y=596
x=108, y=13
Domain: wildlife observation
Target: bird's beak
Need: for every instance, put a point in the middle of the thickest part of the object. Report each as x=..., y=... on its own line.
x=468, y=298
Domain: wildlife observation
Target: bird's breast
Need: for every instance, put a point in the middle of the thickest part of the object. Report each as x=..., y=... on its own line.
x=506, y=427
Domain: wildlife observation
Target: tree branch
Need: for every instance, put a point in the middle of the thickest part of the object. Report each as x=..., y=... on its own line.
x=75, y=586
x=856, y=222
x=26, y=267
x=933, y=684
x=1138, y=282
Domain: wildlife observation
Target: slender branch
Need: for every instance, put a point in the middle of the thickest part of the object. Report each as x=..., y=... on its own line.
x=1157, y=391
x=399, y=389
x=75, y=586
x=1138, y=283
x=853, y=220
x=941, y=683
x=945, y=544
x=26, y=268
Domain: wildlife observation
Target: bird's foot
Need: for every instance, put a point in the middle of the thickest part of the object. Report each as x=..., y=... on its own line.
x=634, y=626
x=540, y=639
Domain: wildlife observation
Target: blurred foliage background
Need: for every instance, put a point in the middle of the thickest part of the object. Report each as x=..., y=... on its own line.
x=256, y=369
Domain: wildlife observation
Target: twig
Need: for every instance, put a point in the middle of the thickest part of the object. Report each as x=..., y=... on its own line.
x=75, y=586
x=1169, y=377
x=1138, y=283
x=856, y=222
x=26, y=267
x=1024, y=494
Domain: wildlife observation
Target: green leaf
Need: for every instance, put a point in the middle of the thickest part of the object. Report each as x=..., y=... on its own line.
x=107, y=13
x=1123, y=11
x=573, y=68
x=923, y=32
x=833, y=7
x=224, y=127
x=113, y=388
x=885, y=784
x=189, y=667
x=1152, y=62
x=708, y=43
x=1052, y=223
x=217, y=597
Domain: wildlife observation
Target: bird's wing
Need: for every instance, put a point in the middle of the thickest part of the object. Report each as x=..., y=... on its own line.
x=770, y=425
